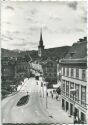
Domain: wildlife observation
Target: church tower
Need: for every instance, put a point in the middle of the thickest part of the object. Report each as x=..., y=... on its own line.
x=41, y=46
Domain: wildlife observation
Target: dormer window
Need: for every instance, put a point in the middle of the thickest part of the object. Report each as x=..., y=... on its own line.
x=71, y=54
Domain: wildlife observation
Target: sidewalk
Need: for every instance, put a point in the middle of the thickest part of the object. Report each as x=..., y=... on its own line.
x=56, y=112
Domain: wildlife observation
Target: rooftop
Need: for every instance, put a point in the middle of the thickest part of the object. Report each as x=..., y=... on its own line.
x=77, y=53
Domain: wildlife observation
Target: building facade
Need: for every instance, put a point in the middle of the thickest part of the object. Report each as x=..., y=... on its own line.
x=74, y=81
x=50, y=72
x=7, y=76
x=8, y=68
x=22, y=68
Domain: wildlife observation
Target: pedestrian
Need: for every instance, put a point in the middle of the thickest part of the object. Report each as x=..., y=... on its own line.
x=27, y=92
x=57, y=97
x=47, y=94
x=75, y=121
x=52, y=95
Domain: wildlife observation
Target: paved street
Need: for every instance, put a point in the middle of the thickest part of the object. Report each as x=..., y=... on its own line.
x=35, y=110
x=32, y=112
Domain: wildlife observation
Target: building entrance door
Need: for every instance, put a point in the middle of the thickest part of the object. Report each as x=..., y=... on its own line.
x=82, y=118
x=76, y=113
x=63, y=104
x=67, y=106
x=71, y=109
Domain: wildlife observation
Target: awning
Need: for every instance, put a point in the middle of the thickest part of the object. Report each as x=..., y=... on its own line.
x=56, y=85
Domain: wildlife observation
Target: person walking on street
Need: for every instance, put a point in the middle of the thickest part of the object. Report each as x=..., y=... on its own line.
x=27, y=92
x=52, y=95
x=47, y=94
x=57, y=97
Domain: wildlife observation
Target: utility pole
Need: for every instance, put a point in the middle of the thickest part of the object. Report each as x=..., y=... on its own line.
x=42, y=88
x=46, y=95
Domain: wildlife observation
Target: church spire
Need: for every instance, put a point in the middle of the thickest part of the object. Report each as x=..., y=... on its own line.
x=41, y=46
x=41, y=39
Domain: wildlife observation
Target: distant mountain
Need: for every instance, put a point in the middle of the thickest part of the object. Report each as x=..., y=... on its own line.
x=54, y=53
x=8, y=53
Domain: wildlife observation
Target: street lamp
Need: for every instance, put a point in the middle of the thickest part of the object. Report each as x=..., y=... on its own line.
x=42, y=88
x=46, y=94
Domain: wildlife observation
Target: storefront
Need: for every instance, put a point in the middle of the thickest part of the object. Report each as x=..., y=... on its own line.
x=83, y=118
x=76, y=113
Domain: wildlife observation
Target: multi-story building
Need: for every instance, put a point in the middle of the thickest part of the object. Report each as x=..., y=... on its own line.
x=7, y=75
x=50, y=72
x=74, y=80
x=12, y=71
x=8, y=68
x=22, y=68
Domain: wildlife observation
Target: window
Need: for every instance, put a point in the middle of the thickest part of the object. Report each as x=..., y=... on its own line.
x=55, y=70
x=50, y=74
x=83, y=74
x=67, y=71
x=63, y=87
x=72, y=72
x=63, y=71
x=71, y=87
x=77, y=93
x=55, y=75
x=77, y=73
x=67, y=88
x=83, y=95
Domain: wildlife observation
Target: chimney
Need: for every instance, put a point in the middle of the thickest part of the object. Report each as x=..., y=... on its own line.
x=85, y=38
x=80, y=40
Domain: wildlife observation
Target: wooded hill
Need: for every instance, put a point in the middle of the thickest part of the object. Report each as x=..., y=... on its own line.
x=53, y=53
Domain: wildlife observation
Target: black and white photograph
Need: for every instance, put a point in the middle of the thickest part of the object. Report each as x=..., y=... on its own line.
x=44, y=62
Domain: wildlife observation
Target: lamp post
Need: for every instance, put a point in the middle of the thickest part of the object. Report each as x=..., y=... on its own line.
x=46, y=93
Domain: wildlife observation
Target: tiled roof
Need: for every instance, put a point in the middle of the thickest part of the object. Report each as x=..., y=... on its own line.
x=77, y=53
x=78, y=49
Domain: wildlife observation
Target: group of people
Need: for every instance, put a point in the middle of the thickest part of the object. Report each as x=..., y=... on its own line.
x=52, y=95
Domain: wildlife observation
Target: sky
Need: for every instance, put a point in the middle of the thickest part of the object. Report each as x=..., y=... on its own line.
x=62, y=23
